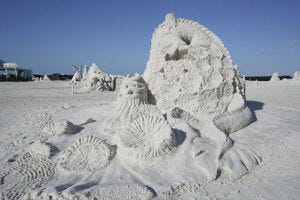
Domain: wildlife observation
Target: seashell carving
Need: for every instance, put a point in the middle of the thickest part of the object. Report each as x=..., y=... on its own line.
x=86, y=154
x=42, y=149
x=145, y=109
x=58, y=127
x=147, y=137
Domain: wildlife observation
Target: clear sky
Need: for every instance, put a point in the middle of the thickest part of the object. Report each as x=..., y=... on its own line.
x=263, y=36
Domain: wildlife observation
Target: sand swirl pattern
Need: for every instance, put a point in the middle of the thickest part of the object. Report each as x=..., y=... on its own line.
x=31, y=171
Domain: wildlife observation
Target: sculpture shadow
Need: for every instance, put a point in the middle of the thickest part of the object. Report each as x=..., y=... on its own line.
x=90, y=120
x=254, y=106
x=63, y=187
x=84, y=186
x=180, y=136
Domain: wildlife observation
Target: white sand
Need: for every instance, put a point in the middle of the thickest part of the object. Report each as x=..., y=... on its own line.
x=27, y=107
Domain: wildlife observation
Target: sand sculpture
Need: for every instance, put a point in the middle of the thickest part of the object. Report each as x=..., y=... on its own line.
x=58, y=127
x=133, y=92
x=190, y=68
x=183, y=50
x=296, y=76
x=45, y=78
x=96, y=79
x=84, y=73
x=275, y=77
x=171, y=125
x=77, y=75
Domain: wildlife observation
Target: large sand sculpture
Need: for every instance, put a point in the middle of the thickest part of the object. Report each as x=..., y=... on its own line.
x=171, y=125
x=189, y=67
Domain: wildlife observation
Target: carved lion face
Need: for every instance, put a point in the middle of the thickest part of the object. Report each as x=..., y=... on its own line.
x=134, y=88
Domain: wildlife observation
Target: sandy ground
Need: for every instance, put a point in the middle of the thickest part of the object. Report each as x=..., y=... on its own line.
x=25, y=108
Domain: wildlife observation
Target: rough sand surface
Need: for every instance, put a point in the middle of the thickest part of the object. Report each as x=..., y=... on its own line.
x=27, y=107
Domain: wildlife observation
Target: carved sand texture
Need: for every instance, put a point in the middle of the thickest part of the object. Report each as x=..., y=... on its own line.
x=85, y=155
x=132, y=93
x=190, y=68
x=145, y=109
x=121, y=191
x=58, y=127
x=147, y=137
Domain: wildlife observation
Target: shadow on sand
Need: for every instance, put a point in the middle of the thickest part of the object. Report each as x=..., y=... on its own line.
x=254, y=106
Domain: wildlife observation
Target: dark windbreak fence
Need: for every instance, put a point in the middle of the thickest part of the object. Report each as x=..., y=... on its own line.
x=264, y=78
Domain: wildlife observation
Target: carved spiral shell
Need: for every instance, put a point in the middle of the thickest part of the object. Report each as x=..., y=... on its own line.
x=86, y=154
x=147, y=137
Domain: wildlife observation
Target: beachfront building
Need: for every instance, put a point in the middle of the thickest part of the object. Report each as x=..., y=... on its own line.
x=20, y=73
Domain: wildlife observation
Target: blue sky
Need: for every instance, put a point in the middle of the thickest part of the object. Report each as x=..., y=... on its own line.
x=263, y=36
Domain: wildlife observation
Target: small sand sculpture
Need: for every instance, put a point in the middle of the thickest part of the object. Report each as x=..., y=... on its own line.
x=58, y=127
x=296, y=76
x=275, y=77
x=45, y=78
x=77, y=75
